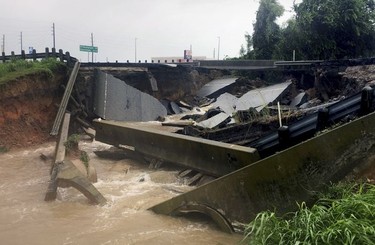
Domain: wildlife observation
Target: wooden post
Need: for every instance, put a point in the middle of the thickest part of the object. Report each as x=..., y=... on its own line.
x=61, y=55
x=68, y=60
x=47, y=53
x=34, y=54
x=54, y=52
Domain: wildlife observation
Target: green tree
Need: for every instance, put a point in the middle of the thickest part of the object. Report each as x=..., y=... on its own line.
x=266, y=32
x=248, y=52
x=335, y=29
x=289, y=42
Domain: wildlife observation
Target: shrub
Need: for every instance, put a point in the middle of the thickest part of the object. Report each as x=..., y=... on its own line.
x=344, y=215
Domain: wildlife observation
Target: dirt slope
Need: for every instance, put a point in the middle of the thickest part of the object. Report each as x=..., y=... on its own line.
x=28, y=106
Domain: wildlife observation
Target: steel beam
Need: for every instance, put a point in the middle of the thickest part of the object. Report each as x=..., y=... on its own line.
x=209, y=157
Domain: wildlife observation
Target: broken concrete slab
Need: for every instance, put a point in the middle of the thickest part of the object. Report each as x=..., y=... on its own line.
x=165, y=103
x=300, y=99
x=69, y=175
x=260, y=98
x=153, y=82
x=280, y=181
x=216, y=87
x=115, y=100
x=64, y=173
x=226, y=102
x=175, y=108
x=215, y=121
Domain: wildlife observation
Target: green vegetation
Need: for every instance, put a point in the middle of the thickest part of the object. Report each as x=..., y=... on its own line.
x=3, y=149
x=85, y=159
x=71, y=143
x=71, y=146
x=345, y=215
x=18, y=68
x=332, y=29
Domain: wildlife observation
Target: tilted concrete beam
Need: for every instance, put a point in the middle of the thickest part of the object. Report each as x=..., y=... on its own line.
x=207, y=156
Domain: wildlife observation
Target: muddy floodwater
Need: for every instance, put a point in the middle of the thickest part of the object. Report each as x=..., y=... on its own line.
x=130, y=188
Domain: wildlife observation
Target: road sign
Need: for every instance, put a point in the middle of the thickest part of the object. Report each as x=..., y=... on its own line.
x=86, y=48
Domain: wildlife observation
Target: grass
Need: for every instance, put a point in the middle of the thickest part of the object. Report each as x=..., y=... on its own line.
x=18, y=68
x=344, y=215
x=3, y=149
x=85, y=159
x=71, y=144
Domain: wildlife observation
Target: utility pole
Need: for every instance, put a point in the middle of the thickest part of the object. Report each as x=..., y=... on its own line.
x=3, y=46
x=54, y=35
x=21, y=43
x=214, y=53
x=135, y=50
x=218, y=49
x=92, y=44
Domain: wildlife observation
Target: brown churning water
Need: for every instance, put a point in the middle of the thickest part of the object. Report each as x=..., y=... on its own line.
x=130, y=188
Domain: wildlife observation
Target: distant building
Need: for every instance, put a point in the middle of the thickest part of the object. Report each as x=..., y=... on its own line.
x=188, y=57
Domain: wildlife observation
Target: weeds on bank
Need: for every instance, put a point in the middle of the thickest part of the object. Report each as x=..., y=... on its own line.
x=85, y=159
x=18, y=68
x=344, y=215
x=71, y=146
x=3, y=149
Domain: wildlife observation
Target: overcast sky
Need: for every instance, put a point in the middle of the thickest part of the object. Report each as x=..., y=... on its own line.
x=158, y=27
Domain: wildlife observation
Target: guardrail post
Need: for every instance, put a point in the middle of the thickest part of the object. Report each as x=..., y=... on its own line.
x=23, y=55
x=3, y=56
x=323, y=117
x=47, y=53
x=68, y=60
x=34, y=54
x=367, y=98
x=284, y=136
x=61, y=55
x=53, y=52
x=12, y=54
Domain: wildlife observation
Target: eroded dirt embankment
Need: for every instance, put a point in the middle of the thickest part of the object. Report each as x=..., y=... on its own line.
x=28, y=106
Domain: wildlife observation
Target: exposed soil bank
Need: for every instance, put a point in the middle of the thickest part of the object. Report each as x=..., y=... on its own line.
x=28, y=106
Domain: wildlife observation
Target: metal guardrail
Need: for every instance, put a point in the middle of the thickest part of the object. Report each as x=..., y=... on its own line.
x=358, y=104
x=325, y=63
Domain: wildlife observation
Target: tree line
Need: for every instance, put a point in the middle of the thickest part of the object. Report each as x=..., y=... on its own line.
x=319, y=30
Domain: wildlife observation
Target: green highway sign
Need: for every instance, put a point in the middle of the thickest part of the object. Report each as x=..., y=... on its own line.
x=86, y=48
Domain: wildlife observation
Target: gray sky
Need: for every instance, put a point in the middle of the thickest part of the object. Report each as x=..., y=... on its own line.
x=161, y=27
